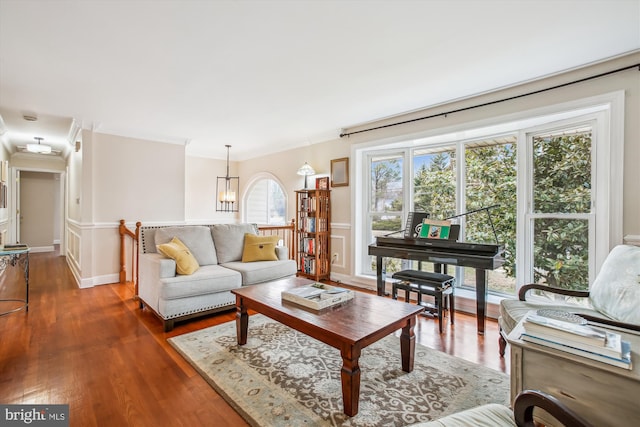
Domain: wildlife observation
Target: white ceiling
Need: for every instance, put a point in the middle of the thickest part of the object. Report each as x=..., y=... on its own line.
x=266, y=76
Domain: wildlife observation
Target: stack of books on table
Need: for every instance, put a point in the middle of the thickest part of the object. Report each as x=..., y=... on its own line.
x=579, y=339
x=317, y=295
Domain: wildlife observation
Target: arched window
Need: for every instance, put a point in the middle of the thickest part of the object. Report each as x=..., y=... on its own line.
x=266, y=202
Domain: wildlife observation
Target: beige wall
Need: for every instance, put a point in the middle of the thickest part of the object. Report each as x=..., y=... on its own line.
x=284, y=166
x=137, y=180
x=118, y=178
x=200, y=190
x=74, y=185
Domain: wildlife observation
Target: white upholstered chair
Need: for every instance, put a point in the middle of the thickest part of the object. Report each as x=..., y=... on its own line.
x=613, y=297
x=495, y=415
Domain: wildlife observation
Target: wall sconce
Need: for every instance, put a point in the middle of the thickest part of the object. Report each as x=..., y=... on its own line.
x=306, y=170
x=227, y=190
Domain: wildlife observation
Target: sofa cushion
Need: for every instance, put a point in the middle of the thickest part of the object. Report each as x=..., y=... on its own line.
x=229, y=240
x=263, y=271
x=616, y=290
x=196, y=237
x=259, y=248
x=186, y=263
x=208, y=279
x=489, y=415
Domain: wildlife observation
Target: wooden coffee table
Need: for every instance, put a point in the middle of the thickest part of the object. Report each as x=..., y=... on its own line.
x=349, y=327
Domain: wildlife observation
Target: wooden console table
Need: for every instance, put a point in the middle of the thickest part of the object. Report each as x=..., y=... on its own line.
x=604, y=395
x=16, y=255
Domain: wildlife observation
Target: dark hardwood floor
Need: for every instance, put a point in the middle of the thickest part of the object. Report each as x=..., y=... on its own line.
x=95, y=350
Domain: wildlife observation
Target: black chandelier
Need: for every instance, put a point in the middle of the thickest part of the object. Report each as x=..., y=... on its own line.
x=227, y=189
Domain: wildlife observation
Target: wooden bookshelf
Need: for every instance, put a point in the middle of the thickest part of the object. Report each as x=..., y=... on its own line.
x=313, y=231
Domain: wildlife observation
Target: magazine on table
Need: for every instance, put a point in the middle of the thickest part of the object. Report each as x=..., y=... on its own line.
x=317, y=295
x=535, y=324
x=622, y=361
x=315, y=290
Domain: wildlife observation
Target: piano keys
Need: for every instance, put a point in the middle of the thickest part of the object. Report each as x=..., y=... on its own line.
x=481, y=257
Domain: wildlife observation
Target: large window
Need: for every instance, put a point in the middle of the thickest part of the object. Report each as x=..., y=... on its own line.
x=265, y=203
x=530, y=185
x=561, y=206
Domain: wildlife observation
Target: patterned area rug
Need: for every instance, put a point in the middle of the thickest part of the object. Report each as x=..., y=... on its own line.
x=284, y=378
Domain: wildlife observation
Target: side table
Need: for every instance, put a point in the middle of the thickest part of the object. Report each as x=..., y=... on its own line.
x=16, y=255
x=603, y=394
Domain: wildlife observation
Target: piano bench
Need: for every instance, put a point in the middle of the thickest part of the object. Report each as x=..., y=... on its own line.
x=439, y=286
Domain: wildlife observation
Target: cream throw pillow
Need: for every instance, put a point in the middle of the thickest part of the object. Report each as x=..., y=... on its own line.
x=259, y=248
x=186, y=263
x=616, y=290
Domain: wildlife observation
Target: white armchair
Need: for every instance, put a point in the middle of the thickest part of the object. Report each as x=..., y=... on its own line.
x=495, y=415
x=612, y=299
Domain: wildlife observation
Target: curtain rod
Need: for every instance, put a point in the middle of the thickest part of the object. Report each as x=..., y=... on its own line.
x=347, y=134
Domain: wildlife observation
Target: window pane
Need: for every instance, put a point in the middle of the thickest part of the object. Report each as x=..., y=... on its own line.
x=257, y=202
x=434, y=182
x=266, y=203
x=381, y=225
x=386, y=183
x=491, y=177
x=561, y=253
x=562, y=172
x=277, y=204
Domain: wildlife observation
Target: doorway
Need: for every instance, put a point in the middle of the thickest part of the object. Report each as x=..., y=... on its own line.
x=38, y=210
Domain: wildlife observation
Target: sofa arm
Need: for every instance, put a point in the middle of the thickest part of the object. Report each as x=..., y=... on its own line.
x=151, y=268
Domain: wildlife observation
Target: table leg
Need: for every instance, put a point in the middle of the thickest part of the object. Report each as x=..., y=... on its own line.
x=381, y=275
x=481, y=298
x=26, y=281
x=242, y=321
x=350, y=376
x=408, y=344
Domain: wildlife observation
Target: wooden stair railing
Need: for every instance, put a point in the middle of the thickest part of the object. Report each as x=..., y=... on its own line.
x=124, y=233
x=285, y=232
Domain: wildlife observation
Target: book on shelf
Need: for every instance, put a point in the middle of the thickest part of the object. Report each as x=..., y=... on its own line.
x=535, y=324
x=622, y=361
x=308, y=245
x=308, y=265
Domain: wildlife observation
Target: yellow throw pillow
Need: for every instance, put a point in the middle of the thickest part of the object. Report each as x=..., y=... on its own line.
x=186, y=263
x=259, y=248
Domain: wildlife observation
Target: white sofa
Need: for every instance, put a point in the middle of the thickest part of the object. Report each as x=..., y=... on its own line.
x=218, y=250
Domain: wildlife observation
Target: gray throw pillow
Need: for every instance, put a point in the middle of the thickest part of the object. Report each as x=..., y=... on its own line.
x=195, y=237
x=229, y=240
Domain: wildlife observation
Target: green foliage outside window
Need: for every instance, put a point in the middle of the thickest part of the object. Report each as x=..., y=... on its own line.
x=491, y=181
x=561, y=184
